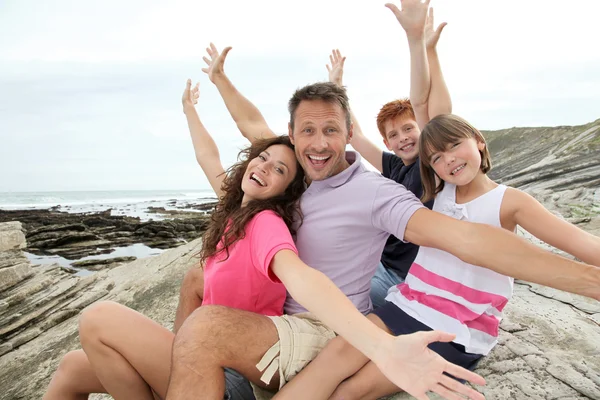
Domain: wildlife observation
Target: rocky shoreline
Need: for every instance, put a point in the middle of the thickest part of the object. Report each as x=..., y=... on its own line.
x=74, y=236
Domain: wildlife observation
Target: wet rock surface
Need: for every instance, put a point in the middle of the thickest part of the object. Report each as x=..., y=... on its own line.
x=74, y=236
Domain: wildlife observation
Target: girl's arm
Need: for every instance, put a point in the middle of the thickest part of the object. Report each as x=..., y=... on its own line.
x=405, y=360
x=247, y=117
x=541, y=223
x=207, y=153
x=439, y=101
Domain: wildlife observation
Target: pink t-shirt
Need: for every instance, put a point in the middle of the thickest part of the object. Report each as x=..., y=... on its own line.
x=244, y=280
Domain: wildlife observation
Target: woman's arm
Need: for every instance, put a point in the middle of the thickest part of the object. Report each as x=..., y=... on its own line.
x=405, y=360
x=207, y=153
x=247, y=117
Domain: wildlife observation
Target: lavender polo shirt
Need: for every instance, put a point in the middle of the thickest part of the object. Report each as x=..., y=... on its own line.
x=347, y=220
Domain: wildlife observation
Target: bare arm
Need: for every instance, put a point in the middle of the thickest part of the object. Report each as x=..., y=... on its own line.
x=207, y=153
x=541, y=223
x=367, y=149
x=503, y=252
x=247, y=117
x=405, y=360
x=439, y=101
x=413, y=21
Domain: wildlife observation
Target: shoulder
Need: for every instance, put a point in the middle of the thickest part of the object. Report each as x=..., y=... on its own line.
x=391, y=163
x=266, y=217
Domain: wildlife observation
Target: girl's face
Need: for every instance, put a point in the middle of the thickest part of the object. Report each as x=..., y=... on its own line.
x=269, y=174
x=460, y=163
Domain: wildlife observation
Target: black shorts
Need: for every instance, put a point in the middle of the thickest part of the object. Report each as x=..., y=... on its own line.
x=400, y=323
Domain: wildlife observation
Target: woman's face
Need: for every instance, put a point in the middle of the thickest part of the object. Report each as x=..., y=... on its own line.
x=269, y=174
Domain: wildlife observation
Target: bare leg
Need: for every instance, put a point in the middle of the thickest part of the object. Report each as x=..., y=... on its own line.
x=215, y=337
x=367, y=384
x=130, y=353
x=74, y=379
x=190, y=295
x=335, y=363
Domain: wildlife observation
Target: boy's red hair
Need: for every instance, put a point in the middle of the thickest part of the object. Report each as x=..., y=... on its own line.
x=391, y=110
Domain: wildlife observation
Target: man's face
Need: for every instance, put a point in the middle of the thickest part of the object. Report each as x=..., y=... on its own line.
x=402, y=137
x=320, y=137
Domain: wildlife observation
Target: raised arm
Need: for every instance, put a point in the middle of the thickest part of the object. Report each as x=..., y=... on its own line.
x=527, y=212
x=367, y=149
x=405, y=360
x=412, y=18
x=439, y=101
x=247, y=117
x=207, y=153
x=501, y=251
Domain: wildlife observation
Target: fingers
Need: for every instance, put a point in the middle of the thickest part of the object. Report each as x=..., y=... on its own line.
x=462, y=373
x=456, y=386
x=438, y=336
x=224, y=52
x=445, y=393
x=393, y=8
x=440, y=28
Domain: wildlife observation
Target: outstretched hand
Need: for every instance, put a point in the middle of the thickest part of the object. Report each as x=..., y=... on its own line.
x=413, y=367
x=412, y=16
x=190, y=95
x=431, y=36
x=216, y=62
x=336, y=71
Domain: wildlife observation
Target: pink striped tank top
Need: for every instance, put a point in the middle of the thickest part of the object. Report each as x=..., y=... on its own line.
x=445, y=293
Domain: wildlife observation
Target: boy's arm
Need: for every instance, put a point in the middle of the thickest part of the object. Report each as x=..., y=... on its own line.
x=412, y=19
x=405, y=360
x=367, y=149
x=439, y=101
x=247, y=117
x=207, y=153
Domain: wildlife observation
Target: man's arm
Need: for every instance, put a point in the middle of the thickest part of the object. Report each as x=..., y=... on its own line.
x=405, y=360
x=501, y=251
x=439, y=101
x=412, y=19
x=247, y=117
x=207, y=153
x=367, y=149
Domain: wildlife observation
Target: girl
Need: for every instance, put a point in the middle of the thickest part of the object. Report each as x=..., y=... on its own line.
x=248, y=254
x=441, y=291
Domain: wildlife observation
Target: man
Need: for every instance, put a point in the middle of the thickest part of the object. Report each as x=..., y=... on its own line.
x=347, y=218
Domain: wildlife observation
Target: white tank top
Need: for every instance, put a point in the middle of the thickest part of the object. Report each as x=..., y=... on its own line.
x=445, y=293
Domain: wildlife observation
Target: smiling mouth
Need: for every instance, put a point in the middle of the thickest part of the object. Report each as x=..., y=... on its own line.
x=407, y=147
x=458, y=169
x=318, y=161
x=257, y=179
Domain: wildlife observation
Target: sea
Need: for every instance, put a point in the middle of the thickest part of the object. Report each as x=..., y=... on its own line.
x=132, y=203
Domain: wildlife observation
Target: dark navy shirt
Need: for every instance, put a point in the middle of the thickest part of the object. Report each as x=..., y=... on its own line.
x=397, y=255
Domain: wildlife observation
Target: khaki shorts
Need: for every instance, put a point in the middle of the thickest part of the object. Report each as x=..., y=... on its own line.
x=301, y=338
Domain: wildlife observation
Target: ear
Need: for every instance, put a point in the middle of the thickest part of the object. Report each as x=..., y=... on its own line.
x=387, y=144
x=480, y=146
x=291, y=133
x=350, y=133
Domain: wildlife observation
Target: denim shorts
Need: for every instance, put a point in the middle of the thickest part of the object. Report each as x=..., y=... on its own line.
x=236, y=386
x=400, y=323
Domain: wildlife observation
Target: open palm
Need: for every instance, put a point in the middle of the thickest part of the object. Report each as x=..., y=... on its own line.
x=416, y=369
x=336, y=71
x=216, y=62
x=432, y=36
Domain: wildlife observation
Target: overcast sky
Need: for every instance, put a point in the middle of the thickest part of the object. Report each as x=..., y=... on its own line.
x=90, y=90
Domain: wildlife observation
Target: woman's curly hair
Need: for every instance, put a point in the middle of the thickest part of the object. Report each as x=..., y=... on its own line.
x=229, y=219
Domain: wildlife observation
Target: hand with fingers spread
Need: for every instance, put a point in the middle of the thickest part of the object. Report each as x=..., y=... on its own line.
x=432, y=36
x=416, y=369
x=215, y=63
x=412, y=16
x=190, y=95
x=336, y=71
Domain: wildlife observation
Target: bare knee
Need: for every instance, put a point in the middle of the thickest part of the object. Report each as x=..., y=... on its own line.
x=193, y=282
x=93, y=320
x=68, y=369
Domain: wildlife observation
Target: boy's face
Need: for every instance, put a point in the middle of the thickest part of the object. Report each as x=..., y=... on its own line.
x=402, y=137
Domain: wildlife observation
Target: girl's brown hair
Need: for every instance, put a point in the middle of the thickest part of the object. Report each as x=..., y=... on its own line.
x=436, y=136
x=229, y=219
